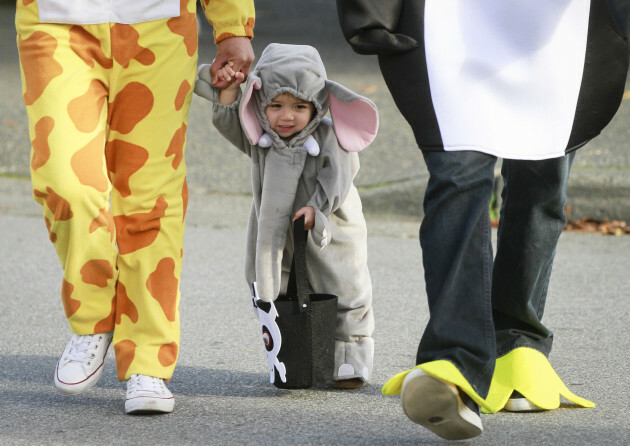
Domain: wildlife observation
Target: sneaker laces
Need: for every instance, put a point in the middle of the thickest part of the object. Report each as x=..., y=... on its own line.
x=144, y=383
x=82, y=348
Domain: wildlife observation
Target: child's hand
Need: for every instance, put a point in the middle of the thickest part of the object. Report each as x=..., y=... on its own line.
x=309, y=216
x=229, y=81
x=238, y=51
x=226, y=77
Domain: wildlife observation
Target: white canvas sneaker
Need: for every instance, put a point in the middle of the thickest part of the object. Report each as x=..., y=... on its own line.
x=146, y=394
x=518, y=403
x=81, y=364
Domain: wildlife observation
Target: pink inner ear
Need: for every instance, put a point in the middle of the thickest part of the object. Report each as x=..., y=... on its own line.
x=356, y=123
x=249, y=120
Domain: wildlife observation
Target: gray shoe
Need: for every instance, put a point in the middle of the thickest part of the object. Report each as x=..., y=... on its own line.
x=440, y=406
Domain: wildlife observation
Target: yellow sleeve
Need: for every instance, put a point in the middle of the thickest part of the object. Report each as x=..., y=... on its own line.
x=230, y=18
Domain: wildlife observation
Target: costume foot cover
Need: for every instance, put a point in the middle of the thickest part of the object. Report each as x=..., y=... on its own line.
x=442, y=369
x=528, y=372
x=524, y=370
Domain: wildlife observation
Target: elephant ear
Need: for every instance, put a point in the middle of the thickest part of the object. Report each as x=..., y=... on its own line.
x=247, y=111
x=355, y=117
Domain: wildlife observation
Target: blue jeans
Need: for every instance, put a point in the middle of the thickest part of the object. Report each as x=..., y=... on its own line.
x=482, y=308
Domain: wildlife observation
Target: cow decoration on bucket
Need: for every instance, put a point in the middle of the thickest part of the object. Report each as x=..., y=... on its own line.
x=267, y=314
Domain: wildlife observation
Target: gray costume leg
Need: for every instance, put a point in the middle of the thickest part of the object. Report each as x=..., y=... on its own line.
x=341, y=269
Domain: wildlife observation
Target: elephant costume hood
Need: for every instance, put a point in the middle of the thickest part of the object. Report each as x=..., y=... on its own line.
x=299, y=71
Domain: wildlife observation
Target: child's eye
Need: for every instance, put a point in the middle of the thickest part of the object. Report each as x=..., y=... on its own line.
x=300, y=106
x=274, y=105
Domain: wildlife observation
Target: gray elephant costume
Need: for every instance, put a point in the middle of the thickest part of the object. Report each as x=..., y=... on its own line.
x=316, y=167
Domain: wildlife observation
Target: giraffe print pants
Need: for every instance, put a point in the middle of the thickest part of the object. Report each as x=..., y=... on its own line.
x=107, y=106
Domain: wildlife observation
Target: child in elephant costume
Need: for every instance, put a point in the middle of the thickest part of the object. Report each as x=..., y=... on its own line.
x=303, y=165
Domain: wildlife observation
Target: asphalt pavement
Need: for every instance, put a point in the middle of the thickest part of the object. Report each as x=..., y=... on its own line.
x=221, y=388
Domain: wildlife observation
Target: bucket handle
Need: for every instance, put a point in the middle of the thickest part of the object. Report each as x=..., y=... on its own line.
x=298, y=280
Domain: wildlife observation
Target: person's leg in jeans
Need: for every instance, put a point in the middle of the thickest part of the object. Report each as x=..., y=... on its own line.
x=456, y=354
x=532, y=219
x=457, y=259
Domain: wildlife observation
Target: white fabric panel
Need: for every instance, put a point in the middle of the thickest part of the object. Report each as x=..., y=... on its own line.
x=89, y=12
x=505, y=74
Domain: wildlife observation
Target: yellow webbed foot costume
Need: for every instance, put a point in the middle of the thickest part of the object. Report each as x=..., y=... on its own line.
x=444, y=370
x=524, y=370
x=528, y=372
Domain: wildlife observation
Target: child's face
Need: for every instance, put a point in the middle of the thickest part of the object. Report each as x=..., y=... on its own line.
x=288, y=115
